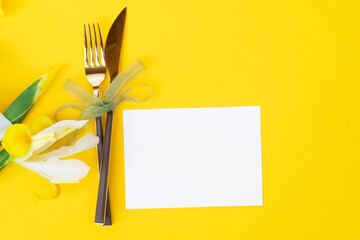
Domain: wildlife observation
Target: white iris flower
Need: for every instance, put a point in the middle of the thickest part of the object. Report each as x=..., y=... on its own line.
x=44, y=151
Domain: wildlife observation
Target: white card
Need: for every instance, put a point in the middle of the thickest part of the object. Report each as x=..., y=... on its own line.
x=192, y=157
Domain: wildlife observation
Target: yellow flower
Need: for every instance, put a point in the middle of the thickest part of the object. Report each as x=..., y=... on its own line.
x=17, y=140
x=42, y=152
x=40, y=124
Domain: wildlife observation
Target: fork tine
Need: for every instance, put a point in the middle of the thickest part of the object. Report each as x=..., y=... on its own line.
x=101, y=47
x=86, y=57
x=91, y=50
x=96, y=47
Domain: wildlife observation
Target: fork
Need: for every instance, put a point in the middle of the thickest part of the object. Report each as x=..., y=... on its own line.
x=95, y=71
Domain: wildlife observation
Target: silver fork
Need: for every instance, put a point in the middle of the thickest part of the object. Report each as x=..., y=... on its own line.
x=95, y=71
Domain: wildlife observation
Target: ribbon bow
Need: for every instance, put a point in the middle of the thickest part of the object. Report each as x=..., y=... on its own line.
x=92, y=106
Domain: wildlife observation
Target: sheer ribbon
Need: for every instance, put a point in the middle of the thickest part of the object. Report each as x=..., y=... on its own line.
x=92, y=106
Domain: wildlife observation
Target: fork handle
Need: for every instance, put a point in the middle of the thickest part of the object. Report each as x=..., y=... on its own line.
x=104, y=172
x=100, y=134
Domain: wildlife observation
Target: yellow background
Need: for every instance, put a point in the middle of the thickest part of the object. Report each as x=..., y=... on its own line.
x=299, y=60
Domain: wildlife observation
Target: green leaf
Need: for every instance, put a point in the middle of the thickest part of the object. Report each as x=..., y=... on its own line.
x=22, y=105
x=4, y=159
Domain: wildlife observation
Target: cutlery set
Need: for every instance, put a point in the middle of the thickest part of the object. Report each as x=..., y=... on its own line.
x=96, y=62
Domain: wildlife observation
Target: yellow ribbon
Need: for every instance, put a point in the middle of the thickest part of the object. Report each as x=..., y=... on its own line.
x=92, y=106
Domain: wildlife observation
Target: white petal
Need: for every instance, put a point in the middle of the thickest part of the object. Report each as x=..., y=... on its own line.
x=42, y=141
x=86, y=142
x=58, y=171
x=62, y=125
x=4, y=124
x=24, y=158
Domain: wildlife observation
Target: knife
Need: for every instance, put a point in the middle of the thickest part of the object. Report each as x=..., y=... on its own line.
x=112, y=57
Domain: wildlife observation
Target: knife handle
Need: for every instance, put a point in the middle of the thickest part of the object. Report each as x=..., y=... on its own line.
x=104, y=172
x=108, y=220
x=99, y=133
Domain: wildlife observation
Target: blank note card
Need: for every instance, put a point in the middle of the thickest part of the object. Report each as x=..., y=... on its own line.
x=192, y=157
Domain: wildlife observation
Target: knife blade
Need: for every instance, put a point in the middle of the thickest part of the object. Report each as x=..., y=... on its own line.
x=113, y=45
x=112, y=58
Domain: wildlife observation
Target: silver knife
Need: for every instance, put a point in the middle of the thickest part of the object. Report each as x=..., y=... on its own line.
x=112, y=57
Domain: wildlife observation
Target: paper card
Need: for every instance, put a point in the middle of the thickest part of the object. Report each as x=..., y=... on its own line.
x=192, y=157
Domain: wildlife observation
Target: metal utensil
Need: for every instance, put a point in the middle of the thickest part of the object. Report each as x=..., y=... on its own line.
x=112, y=56
x=95, y=74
